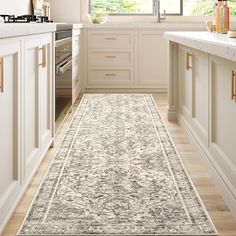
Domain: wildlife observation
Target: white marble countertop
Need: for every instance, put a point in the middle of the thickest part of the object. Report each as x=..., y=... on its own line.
x=213, y=43
x=13, y=30
x=148, y=25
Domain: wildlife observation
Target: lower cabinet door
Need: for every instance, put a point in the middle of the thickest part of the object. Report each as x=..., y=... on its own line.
x=37, y=101
x=45, y=93
x=185, y=78
x=223, y=116
x=10, y=103
x=200, y=92
x=152, y=64
x=31, y=105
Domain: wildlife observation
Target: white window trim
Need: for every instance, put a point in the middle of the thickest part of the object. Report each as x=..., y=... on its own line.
x=143, y=18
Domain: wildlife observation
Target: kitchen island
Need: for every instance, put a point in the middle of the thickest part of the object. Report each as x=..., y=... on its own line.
x=202, y=98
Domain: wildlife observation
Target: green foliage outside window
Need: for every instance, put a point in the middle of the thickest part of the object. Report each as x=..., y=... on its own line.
x=205, y=8
x=191, y=7
x=113, y=6
x=121, y=6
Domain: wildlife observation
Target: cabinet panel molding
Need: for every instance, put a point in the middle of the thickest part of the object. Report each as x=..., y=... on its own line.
x=10, y=126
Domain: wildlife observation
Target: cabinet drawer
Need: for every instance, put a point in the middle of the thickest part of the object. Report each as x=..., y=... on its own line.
x=102, y=58
x=110, y=76
x=104, y=39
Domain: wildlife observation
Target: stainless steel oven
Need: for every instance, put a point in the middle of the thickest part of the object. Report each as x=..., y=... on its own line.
x=63, y=67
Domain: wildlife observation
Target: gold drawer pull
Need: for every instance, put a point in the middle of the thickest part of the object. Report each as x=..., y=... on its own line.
x=188, y=55
x=110, y=56
x=233, y=86
x=1, y=76
x=44, y=56
x=110, y=74
x=110, y=38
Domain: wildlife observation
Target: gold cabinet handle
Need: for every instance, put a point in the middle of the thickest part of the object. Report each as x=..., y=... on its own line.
x=44, y=56
x=1, y=76
x=110, y=56
x=110, y=38
x=233, y=86
x=188, y=55
x=110, y=74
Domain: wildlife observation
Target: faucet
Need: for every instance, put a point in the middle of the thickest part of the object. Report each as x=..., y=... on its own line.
x=157, y=11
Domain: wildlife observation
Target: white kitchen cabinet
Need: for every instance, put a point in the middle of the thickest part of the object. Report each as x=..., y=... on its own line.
x=10, y=104
x=110, y=59
x=27, y=107
x=113, y=39
x=125, y=59
x=205, y=85
x=223, y=115
x=152, y=65
x=193, y=90
x=110, y=76
x=38, y=100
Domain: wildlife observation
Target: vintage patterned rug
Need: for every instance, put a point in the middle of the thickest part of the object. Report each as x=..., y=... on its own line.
x=117, y=172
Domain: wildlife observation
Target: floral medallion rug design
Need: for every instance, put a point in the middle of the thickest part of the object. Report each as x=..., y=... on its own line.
x=117, y=172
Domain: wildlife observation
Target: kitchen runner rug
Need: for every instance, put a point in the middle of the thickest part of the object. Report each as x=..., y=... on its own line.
x=117, y=172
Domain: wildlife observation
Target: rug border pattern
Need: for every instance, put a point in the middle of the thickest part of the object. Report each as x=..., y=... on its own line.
x=164, y=139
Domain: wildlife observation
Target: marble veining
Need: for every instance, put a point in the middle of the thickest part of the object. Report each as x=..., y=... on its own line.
x=117, y=172
x=213, y=43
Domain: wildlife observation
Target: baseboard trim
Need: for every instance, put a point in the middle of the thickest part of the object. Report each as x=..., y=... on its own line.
x=125, y=90
x=219, y=180
x=172, y=116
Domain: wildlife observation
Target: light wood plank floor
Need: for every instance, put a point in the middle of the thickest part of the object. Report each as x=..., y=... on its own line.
x=219, y=212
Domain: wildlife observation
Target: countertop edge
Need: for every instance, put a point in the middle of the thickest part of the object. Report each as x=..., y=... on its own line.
x=218, y=46
x=25, y=29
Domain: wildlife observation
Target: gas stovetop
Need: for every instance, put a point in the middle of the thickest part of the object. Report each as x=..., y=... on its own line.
x=25, y=19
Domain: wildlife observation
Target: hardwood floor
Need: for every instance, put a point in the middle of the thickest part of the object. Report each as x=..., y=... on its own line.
x=219, y=212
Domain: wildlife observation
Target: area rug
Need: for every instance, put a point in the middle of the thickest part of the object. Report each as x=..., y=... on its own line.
x=117, y=172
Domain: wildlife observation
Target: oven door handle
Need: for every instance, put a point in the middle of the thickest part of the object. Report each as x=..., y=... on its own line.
x=62, y=42
x=63, y=68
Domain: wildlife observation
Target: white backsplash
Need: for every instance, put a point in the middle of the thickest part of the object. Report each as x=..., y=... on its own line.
x=17, y=7
x=67, y=11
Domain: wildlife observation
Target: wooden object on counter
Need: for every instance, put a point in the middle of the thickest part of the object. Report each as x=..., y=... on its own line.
x=231, y=34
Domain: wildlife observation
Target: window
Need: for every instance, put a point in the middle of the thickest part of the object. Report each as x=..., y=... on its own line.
x=204, y=7
x=172, y=7
x=135, y=7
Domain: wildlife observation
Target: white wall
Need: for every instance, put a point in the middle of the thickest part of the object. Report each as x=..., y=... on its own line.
x=17, y=7
x=68, y=11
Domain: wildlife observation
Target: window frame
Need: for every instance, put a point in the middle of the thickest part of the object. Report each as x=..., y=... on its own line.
x=143, y=14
